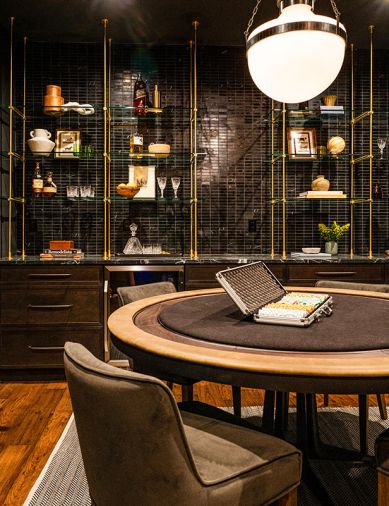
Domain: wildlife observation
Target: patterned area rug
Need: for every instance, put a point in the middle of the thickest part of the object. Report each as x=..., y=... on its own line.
x=62, y=482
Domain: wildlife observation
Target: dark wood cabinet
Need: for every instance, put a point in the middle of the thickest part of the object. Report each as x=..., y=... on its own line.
x=42, y=307
x=308, y=274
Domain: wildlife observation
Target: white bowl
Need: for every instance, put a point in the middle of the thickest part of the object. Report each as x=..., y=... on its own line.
x=311, y=251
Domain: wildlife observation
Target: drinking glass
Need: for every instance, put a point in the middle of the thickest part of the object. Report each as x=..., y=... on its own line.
x=175, y=184
x=162, y=184
x=72, y=192
x=381, y=142
x=85, y=191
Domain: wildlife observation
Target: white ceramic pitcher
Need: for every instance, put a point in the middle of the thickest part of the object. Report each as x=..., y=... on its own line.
x=40, y=143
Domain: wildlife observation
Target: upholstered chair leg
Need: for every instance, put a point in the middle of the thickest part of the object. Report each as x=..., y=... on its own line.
x=290, y=499
x=382, y=406
x=363, y=419
x=187, y=393
x=326, y=400
x=383, y=489
x=237, y=401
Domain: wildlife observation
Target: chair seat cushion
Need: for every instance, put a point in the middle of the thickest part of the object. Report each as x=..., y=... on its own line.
x=258, y=465
x=353, y=286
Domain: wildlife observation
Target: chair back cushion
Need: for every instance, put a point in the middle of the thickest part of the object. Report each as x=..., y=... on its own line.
x=131, y=435
x=128, y=294
x=353, y=286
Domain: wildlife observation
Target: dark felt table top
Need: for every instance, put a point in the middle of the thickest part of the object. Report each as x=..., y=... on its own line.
x=357, y=324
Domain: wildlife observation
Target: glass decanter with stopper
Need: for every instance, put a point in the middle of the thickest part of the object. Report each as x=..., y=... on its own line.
x=49, y=187
x=133, y=246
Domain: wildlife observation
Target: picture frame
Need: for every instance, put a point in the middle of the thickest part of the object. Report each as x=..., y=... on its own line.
x=67, y=143
x=302, y=144
x=144, y=176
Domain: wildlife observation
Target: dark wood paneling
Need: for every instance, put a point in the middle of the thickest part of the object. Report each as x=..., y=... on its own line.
x=204, y=276
x=308, y=274
x=53, y=305
x=51, y=273
x=25, y=348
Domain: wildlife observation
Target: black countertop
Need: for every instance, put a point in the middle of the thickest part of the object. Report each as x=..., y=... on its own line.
x=204, y=259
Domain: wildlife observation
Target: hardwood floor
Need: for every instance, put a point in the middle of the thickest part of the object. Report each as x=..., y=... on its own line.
x=33, y=416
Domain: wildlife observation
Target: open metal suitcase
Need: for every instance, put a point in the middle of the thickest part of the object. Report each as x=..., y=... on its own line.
x=256, y=291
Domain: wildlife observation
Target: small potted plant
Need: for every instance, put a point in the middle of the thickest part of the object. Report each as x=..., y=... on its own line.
x=332, y=234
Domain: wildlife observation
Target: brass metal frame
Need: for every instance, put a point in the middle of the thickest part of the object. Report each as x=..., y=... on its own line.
x=11, y=153
x=193, y=144
x=274, y=119
x=106, y=143
x=355, y=160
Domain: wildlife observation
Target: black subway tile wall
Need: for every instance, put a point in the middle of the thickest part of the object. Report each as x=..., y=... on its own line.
x=234, y=142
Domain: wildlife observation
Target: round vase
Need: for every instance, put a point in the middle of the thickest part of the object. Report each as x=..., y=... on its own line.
x=320, y=184
x=331, y=247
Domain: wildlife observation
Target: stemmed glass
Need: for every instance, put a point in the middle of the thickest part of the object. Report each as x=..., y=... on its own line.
x=175, y=184
x=381, y=142
x=162, y=184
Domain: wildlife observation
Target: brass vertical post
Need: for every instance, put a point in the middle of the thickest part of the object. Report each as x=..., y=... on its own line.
x=272, y=179
x=104, y=22
x=371, y=28
x=283, y=181
x=195, y=25
x=191, y=203
x=24, y=150
x=352, y=182
x=109, y=152
x=10, y=154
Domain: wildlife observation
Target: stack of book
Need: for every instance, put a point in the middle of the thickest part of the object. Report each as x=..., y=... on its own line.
x=331, y=109
x=53, y=254
x=317, y=194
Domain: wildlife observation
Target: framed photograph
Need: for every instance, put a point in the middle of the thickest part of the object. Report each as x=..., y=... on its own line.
x=67, y=144
x=302, y=143
x=143, y=176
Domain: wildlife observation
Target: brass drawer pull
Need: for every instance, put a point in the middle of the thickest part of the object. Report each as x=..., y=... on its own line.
x=50, y=306
x=46, y=348
x=336, y=273
x=49, y=275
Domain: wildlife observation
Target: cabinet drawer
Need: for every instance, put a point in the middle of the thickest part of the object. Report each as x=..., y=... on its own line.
x=342, y=272
x=43, y=348
x=49, y=273
x=50, y=305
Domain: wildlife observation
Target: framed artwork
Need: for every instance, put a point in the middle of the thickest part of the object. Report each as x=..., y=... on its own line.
x=302, y=143
x=143, y=176
x=67, y=143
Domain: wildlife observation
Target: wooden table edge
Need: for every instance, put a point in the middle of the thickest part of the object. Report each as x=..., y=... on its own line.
x=353, y=364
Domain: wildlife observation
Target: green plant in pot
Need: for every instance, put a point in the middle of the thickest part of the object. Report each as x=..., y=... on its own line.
x=331, y=234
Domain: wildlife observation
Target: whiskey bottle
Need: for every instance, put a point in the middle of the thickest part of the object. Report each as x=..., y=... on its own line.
x=136, y=143
x=37, y=181
x=49, y=187
x=140, y=96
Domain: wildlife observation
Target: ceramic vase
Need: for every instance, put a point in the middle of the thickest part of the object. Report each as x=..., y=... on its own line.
x=320, y=184
x=40, y=143
x=331, y=247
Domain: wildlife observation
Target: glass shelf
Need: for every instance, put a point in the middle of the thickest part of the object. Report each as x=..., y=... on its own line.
x=319, y=158
x=114, y=155
x=113, y=198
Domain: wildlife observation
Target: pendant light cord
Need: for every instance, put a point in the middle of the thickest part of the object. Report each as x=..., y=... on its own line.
x=251, y=21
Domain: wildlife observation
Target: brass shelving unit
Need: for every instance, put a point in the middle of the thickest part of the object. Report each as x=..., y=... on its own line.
x=12, y=154
x=355, y=160
x=279, y=116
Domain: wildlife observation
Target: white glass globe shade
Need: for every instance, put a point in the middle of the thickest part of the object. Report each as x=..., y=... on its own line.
x=296, y=65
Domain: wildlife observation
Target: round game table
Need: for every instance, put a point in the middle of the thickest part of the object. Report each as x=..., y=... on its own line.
x=202, y=336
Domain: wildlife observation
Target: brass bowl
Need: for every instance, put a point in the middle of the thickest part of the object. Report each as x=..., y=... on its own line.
x=127, y=191
x=329, y=100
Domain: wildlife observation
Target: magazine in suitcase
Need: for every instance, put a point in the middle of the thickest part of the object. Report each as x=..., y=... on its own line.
x=257, y=292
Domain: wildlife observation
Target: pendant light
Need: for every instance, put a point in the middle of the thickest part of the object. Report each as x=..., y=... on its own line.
x=298, y=55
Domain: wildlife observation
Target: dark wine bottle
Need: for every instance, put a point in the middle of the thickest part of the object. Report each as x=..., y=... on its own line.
x=140, y=96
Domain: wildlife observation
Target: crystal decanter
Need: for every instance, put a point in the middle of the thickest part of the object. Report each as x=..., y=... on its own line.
x=133, y=246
